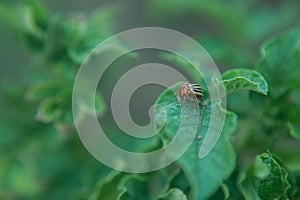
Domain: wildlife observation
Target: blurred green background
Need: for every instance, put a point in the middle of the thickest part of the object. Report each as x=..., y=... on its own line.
x=41, y=156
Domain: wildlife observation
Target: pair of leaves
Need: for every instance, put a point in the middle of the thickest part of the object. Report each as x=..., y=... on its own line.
x=205, y=175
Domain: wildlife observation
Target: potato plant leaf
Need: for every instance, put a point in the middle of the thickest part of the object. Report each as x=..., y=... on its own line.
x=281, y=60
x=205, y=174
x=280, y=65
x=266, y=178
x=242, y=78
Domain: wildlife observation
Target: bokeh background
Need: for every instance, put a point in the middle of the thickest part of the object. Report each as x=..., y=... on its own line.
x=41, y=156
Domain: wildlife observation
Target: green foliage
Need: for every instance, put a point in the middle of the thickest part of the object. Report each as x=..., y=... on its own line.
x=280, y=64
x=205, y=181
x=265, y=179
x=43, y=158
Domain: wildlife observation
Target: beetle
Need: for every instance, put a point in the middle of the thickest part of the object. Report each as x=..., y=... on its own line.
x=190, y=91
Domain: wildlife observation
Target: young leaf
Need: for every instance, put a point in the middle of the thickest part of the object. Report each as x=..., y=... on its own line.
x=50, y=109
x=264, y=179
x=204, y=174
x=173, y=194
x=236, y=79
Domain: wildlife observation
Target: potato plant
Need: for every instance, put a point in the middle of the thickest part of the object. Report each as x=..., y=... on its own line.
x=255, y=45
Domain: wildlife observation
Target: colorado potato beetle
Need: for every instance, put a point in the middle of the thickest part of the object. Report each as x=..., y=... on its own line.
x=190, y=91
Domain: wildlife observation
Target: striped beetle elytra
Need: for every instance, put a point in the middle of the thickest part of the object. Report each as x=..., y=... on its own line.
x=190, y=91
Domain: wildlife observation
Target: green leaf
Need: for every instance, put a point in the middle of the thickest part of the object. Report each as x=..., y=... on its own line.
x=174, y=194
x=264, y=179
x=149, y=185
x=225, y=190
x=55, y=105
x=39, y=12
x=180, y=181
x=135, y=187
x=29, y=16
x=107, y=188
x=295, y=182
x=222, y=193
x=229, y=189
x=293, y=109
x=123, y=186
x=241, y=78
x=205, y=175
x=294, y=129
x=280, y=65
x=281, y=60
x=50, y=109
